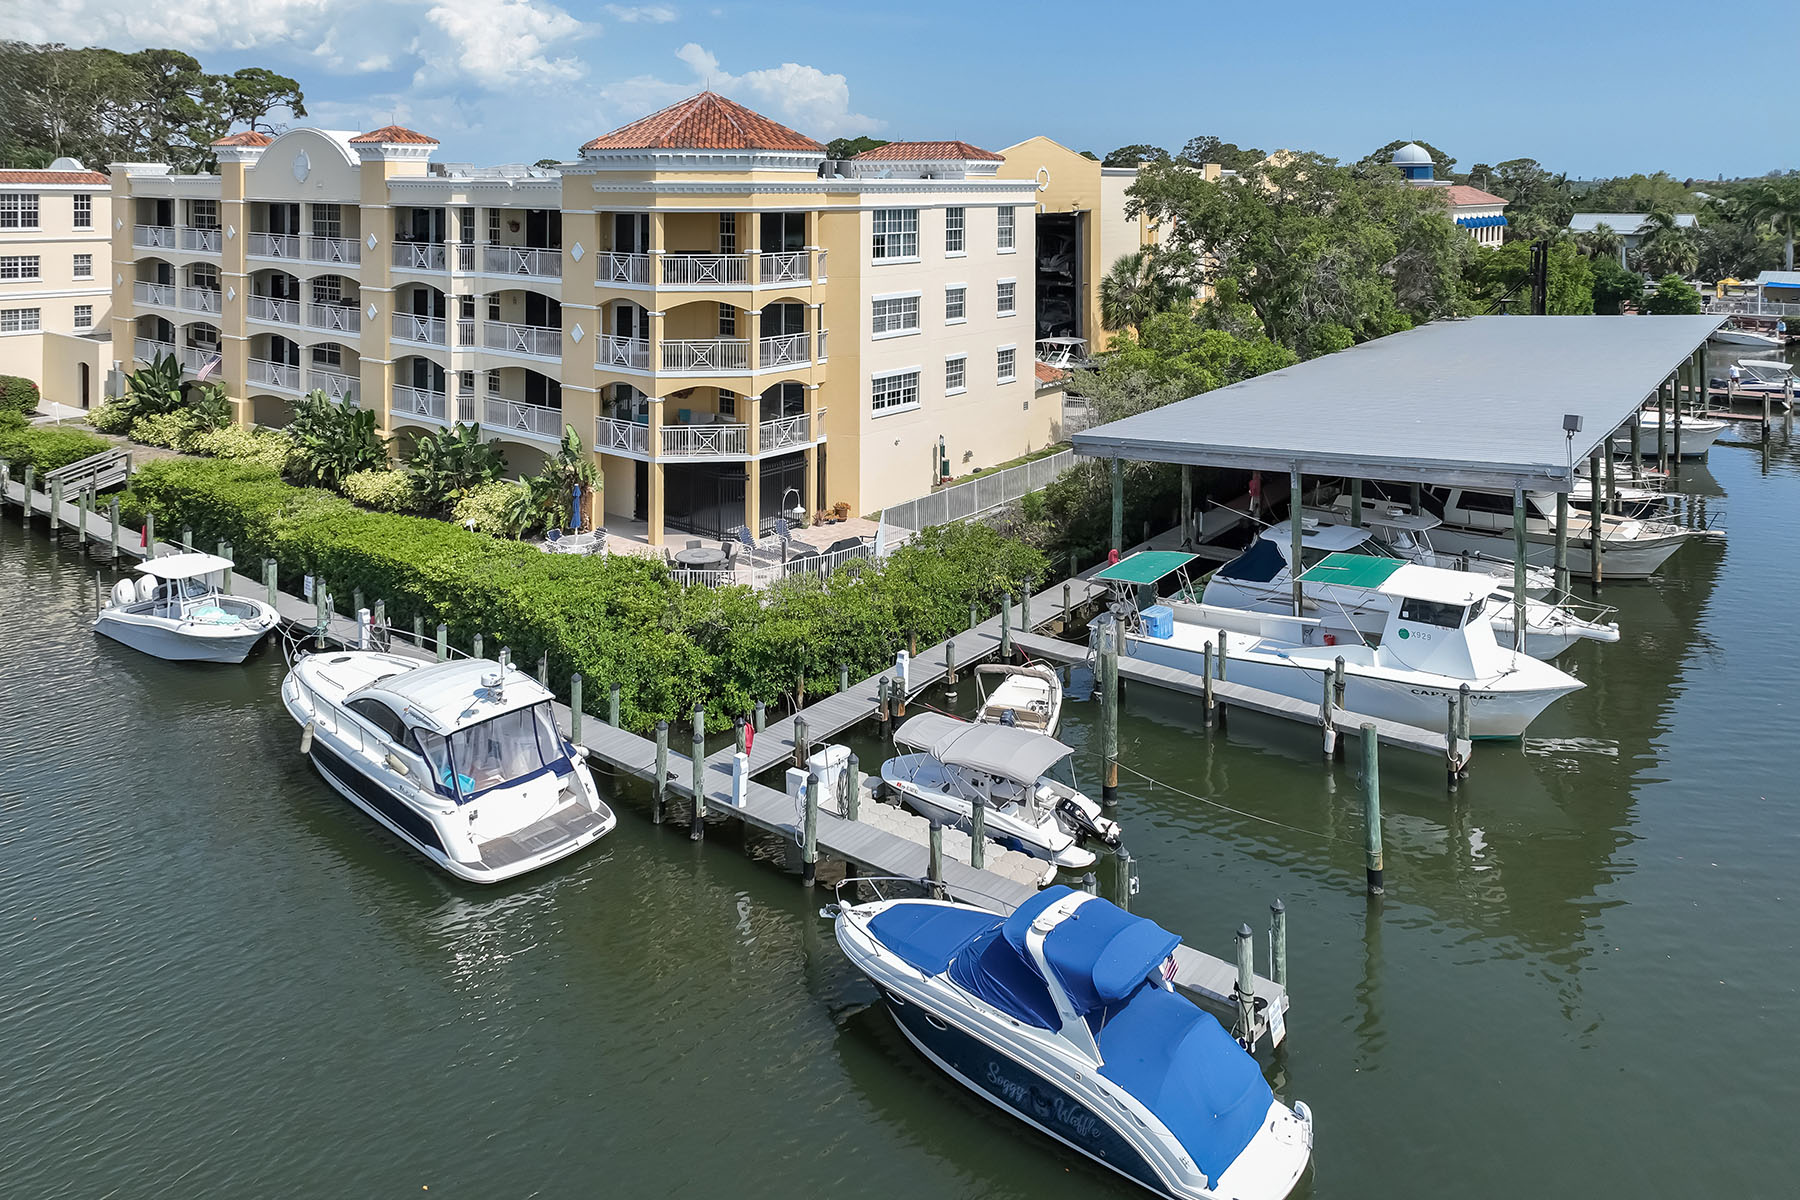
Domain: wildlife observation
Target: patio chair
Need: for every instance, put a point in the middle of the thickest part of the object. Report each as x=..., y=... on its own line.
x=693, y=543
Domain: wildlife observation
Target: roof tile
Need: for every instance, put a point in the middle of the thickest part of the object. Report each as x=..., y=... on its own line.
x=394, y=135
x=248, y=137
x=705, y=122
x=1461, y=195
x=53, y=177
x=930, y=152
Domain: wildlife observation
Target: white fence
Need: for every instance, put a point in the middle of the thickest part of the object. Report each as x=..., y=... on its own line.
x=979, y=495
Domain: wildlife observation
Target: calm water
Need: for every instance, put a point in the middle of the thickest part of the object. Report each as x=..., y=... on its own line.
x=222, y=981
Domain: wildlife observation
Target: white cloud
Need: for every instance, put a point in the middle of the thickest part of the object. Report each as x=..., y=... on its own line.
x=189, y=25
x=498, y=43
x=812, y=101
x=648, y=14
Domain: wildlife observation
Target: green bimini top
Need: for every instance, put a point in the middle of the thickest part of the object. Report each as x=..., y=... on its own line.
x=1146, y=566
x=1352, y=570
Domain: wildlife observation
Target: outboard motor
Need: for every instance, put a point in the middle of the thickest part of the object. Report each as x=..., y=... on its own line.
x=1085, y=826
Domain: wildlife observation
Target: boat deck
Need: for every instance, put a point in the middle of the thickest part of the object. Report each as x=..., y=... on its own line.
x=569, y=823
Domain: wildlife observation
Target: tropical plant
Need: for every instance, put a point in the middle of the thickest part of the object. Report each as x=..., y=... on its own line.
x=1673, y=295
x=1666, y=247
x=332, y=441
x=447, y=465
x=533, y=505
x=1776, y=201
x=1136, y=288
x=1602, y=241
x=571, y=467
x=1615, y=287
x=152, y=389
x=211, y=406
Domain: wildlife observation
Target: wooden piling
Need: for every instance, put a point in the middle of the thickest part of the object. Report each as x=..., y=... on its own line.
x=1596, y=527
x=99, y=592
x=1662, y=431
x=1371, y=770
x=1450, y=775
x=187, y=537
x=1246, y=985
x=1066, y=610
x=612, y=705
x=478, y=645
x=419, y=630
x=697, y=830
x=950, y=665
x=1006, y=624
x=978, y=833
x=30, y=482
x=809, y=844
x=1338, y=684
x=575, y=708
x=55, y=507
x=1117, y=471
x=973, y=616
x=843, y=677
x=543, y=673
x=1109, y=713
x=1090, y=884
x=1327, y=720
x=853, y=789
x=1278, y=942
x=1520, y=545
x=1562, y=543
x=935, y=868
x=1296, y=487
x=321, y=603
x=149, y=535
x=443, y=641
x=1356, y=502
x=1462, y=728
x=1224, y=654
x=800, y=747
x=1206, y=676
x=112, y=516
x=81, y=514
x=659, y=788
x=761, y=715
x=1187, y=506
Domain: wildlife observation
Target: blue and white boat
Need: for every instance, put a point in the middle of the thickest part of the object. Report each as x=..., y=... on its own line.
x=1064, y=1015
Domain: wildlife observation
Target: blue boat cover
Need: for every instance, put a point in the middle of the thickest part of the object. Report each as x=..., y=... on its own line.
x=1259, y=564
x=927, y=935
x=989, y=967
x=1100, y=953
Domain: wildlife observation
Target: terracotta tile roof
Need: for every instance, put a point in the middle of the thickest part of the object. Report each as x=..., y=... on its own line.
x=249, y=137
x=930, y=152
x=1461, y=195
x=394, y=135
x=1048, y=374
x=53, y=177
x=705, y=122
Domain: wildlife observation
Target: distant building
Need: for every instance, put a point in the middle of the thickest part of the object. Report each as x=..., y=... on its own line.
x=1629, y=226
x=1483, y=214
x=55, y=268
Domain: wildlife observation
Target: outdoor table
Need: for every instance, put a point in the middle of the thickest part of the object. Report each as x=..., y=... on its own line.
x=701, y=558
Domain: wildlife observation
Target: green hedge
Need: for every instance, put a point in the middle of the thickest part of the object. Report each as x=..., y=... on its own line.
x=45, y=447
x=17, y=394
x=615, y=619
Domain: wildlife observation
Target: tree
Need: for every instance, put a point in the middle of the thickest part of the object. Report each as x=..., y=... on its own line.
x=332, y=441
x=1615, y=287
x=1208, y=149
x=1137, y=287
x=1090, y=155
x=1506, y=271
x=1602, y=241
x=1673, y=295
x=1776, y=201
x=1666, y=247
x=1640, y=193
x=843, y=147
x=1482, y=176
x=1539, y=204
x=1734, y=242
x=1442, y=164
x=446, y=466
x=1134, y=155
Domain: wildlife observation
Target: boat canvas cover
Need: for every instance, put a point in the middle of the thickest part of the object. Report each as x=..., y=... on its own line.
x=1012, y=753
x=1100, y=952
x=1352, y=570
x=184, y=566
x=1146, y=566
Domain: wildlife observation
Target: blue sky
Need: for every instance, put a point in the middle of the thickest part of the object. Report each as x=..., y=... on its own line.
x=1584, y=88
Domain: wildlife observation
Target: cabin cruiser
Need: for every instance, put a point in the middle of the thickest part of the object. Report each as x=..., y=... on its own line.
x=1024, y=697
x=461, y=760
x=1761, y=377
x=955, y=763
x=1437, y=634
x=1690, y=437
x=1065, y=1015
x=1733, y=334
x=1482, y=523
x=1261, y=580
x=174, y=610
x=1395, y=532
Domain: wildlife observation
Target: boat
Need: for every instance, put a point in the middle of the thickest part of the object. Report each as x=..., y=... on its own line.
x=1761, y=377
x=954, y=764
x=175, y=610
x=1482, y=523
x=1261, y=580
x=1025, y=697
x=1689, y=437
x=461, y=760
x=1437, y=635
x=1732, y=334
x=1064, y=1015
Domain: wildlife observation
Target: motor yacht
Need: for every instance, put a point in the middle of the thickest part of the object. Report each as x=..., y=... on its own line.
x=954, y=764
x=1064, y=1015
x=176, y=609
x=1025, y=697
x=1690, y=437
x=1733, y=334
x=1482, y=523
x=461, y=760
x=1761, y=377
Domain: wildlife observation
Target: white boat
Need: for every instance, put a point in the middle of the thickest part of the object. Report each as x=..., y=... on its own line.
x=461, y=760
x=1261, y=580
x=955, y=763
x=1438, y=636
x=1027, y=697
x=1063, y=1015
x=1482, y=523
x=175, y=610
x=1730, y=334
x=1691, y=437
x=1762, y=376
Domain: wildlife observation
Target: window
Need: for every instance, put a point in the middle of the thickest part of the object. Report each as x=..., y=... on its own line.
x=84, y=316
x=728, y=402
x=203, y=214
x=727, y=321
x=18, y=320
x=1007, y=363
x=956, y=304
x=493, y=383
x=328, y=220
x=465, y=227
x=896, y=233
x=895, y=390
x=328, y=355
x=84, y=211
x=1007, y=242
x=727, y=233
x=18, y=266
x=465, y=380
x=956, y=374
x=1427, y=612
x=19, y=211
x=494, y=307
x=84, y=266
x=894, y=315
x=493, y=226
x=1006, y=303
x=380, y=716
x=953, y=231
x=465, y=309
x=328, y=289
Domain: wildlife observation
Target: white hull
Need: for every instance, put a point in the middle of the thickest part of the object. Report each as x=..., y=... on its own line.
x=1634, y=558
x=179, y=641
x=1695, y=440
x=1045, y=840
x=1742, y=337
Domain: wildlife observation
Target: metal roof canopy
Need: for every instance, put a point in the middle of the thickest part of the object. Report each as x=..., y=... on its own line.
x=1471, y=403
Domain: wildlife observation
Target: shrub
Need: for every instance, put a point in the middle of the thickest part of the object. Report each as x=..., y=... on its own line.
x=112, y=417
x=487, y=508
x=17, y=394
x=332, y=440
x=446, y=465
x=384, y=491
x=45, y=447
x=264, y=446
x=163, y=429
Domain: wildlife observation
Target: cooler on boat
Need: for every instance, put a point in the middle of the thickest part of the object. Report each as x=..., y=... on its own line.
x=1159, y=621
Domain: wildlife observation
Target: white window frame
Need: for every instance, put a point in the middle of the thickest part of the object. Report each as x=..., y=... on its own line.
x=80, y=273
x=961, y=363
x=1003, y=289
x=962, y=291
x=84, y=316
x=880, y=377
x=14, y=267
x=82, y=213
x=15, y=207
x=21, y=320
x=998, y=351
x=899, y=244
x=876, y=330
x=1006, y=229
x=956, y=221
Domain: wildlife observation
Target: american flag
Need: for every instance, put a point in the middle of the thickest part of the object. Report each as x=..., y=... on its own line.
x=1168, y=969
x=208, y=367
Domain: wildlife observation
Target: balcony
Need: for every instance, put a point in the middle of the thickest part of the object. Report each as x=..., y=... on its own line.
x=272, y=309
x=419, y=256
x=347, y=251
x=534, y=420
x=705, y=441
x=539, y=340
x=194, y=358
x=788, y=433
x=198, y=240
x=621, y=437
x=339, y=387
x=717, y=356
x=784, y=350
x=723, y=440
x=425, y=331
x=338, y=318
x=422, y=403
x=205, y=300
x=633, y=354
x=153, y=237
x=160, y=294
x=149, y=349
x=535, y=262
x=283, y=377
x=705, y=270
x=465, y=331
x=625, y=268
x=285, y=246
x=791, y=266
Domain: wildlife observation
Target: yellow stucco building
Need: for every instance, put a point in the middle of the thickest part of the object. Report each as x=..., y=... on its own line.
x=55, y=289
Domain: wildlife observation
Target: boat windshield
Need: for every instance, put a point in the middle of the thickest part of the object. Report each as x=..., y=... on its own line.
x=497, y=752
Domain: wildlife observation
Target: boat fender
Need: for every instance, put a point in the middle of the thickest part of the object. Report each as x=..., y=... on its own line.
x=396, y=766
x=1331, y=639
x=306, y=737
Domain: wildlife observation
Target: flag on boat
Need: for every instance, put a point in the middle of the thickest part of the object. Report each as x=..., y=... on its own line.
x=208, y=367
x=1168, y=969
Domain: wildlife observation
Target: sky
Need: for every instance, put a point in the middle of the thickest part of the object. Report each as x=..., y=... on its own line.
x=1590, y=89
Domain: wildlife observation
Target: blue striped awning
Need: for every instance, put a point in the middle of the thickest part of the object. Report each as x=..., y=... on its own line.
x=1480, y=222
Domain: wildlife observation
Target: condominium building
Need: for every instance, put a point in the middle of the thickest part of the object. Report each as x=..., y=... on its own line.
x=53, y=264
x=736, y=327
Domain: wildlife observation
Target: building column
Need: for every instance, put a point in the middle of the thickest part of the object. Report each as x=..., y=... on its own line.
x=810, y=456
x=749, y=242
x=752, y=404
x=653, y=503
x=751, y=328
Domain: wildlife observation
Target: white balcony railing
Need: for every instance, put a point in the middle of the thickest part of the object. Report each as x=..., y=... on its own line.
x=709, y=357
x=149, y=349
x=419, y=256
x=705, y=441
x=539, y=262
x=520, y=417
x=631, y=353
x=281, y=376
x=624, y=268
x=204, y=300
x=624, y=437
x=198, y=240
x=784, y=433
x=788, y=266
x=540, y=340
x=333, y=250
x=145, y=292
x=465, y=331
x=274, y=245
x=272, y=308
x=339, y=387
x=465, y=256
x=153, y=237
x=821, y=356
x=784, y=350
x=409, y=327
x=420, y=402
x=465, y=405
x=705, y=270
x=193, y=358
x=339, y=318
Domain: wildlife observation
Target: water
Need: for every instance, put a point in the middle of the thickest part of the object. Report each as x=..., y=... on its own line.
x=222, y=981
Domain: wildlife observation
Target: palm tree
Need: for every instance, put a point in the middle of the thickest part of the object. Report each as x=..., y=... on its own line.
x=1666, y=247
x=1602, y=241
x=1776, y=201
x=1136, y=288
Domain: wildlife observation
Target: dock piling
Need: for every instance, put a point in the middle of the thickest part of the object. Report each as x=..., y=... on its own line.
x=800, y=743
x=1206, y=676
x=843, y=677
x=1328, y=720
x=99, y=592
x=356, y=599
x=1371, y=771
x=419, y=630
x=978, y=833
x=1296, y=494
x=1109, y=713
x=1278, y=942
x=1090, y=883
x=659, y=789
x=809, y=846
x=1597, y=528
x=30, y=482
x=612, y=705
x=1122, y=876
x=1006, y=625
x=1520, y=545
x=762, y=714
x=1246, y=986
x=697, y=831
x=852, y=807
x=1462, y=729
x=543, y=665
x=1187, y=509
x=321, y=603
x=575, y=708
x=187, y=537
x=950, y=666
x=478, y=645
x=379, y=615
x=1025, y=610
x=364, y=640
x=149, y=535
x=443, y=641
x=81, y=511
x=55, y=506
x=935, y=869
x=973, y=616
x=1450, y=741
x=112, y=514
x=881, y=706
x=1562, y=543
x=1065, y=616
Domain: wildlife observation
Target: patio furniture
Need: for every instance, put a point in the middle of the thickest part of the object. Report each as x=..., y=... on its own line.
x=700, y=558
